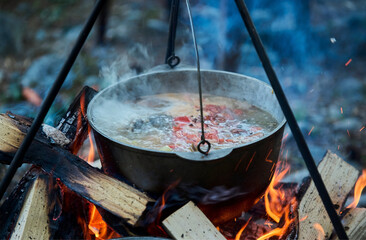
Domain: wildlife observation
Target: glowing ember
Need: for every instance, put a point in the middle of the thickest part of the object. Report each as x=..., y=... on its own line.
x=348, y=62
x=320, y=230
x=362, y=128
x=311, y=131
x=359, y=186
x=237, y=237
x=348, y=133
x=341, y=110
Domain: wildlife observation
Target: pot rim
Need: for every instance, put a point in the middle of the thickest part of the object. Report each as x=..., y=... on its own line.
x=194, y=156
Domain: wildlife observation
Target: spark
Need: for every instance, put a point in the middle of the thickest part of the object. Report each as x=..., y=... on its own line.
x=311, y=131
x=303, y=219
x=333, y=40
x=269, y=160
x=338, y=147
x=341, y=110
x=348, y=62
x=348, y=133
x=250, y=161
x=362, y=128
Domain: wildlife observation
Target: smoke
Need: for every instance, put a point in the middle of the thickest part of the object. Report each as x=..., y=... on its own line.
x=136, y=61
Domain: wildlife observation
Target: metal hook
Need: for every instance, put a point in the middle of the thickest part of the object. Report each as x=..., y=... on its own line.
x=173, y=61
x=203, y=142
x=170, y=57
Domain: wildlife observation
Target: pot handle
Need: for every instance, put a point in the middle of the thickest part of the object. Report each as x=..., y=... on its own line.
x=197, y=156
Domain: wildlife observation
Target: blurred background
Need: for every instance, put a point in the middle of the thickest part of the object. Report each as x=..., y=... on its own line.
x=317, y=47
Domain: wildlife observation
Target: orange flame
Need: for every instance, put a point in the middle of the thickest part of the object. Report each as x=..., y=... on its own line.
x=274, y=198
x=320, y=230
x=278, y=205
x=98, y=227
x=279, y=231
x=91, y=154
x=237, y=237
x=164, y=197
x=359, y=186
x=91, y=149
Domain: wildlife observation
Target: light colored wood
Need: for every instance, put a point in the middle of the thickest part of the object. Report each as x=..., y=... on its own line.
x=33, y=221
x=355, y=223
x=11, y=135
x=97, y=187
x=57, y=136
x=111, y=194
x=190, y=223
x=339, y=178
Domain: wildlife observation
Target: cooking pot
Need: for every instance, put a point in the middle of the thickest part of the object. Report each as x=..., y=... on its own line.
x=247, y=168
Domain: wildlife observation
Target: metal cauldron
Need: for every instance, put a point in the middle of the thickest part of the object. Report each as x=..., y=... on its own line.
x=248, y=166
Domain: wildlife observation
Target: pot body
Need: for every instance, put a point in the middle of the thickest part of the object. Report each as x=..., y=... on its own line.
x=247, y=168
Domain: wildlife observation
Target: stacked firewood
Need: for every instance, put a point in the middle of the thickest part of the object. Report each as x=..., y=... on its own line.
x=47, y=202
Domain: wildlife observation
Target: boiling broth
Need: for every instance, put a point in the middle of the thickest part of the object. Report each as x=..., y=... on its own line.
x=171, y=122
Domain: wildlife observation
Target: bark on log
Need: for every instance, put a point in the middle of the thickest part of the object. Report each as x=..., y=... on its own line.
x=104, y=191
x=33, y=221
x=339, y=178
x=189, y=222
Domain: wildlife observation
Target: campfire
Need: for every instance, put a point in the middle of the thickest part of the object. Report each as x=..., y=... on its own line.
x=70, y=194
x=65, y=195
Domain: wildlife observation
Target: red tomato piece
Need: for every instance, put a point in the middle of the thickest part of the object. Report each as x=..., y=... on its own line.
x=182, y=119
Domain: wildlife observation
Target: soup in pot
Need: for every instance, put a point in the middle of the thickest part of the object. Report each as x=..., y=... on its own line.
x=171, y=121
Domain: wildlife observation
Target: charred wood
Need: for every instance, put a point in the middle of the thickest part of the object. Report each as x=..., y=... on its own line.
x=74, y=124
x=93, y=185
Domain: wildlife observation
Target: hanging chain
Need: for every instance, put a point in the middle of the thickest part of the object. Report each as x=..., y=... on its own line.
x=203, y=140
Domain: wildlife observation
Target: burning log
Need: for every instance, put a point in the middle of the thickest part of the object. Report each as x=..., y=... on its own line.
x=339, y=178
x=104, y=191
x=190, y=223
x=74, y=123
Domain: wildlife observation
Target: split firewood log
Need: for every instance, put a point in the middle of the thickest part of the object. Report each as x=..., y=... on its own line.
x=26, y=212
x=102, y=190
x=33, y=221
x=339, y=178
x=355, y=222
x=189, y=222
